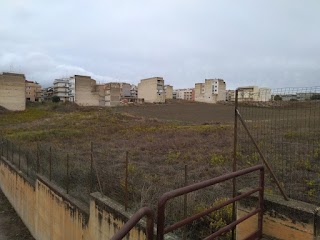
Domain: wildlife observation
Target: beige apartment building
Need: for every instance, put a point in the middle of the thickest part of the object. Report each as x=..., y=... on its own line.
x=184, y=94
x=33, y=91
x=13, y=91
x=168, y=89
x=211, y=91
x=152, y=90
x=87, y=91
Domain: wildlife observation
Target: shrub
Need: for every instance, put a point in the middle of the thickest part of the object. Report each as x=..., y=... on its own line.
x=55, y=99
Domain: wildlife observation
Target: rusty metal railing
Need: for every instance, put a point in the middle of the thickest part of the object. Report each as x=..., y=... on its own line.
x=162, y=230
x=142, y=212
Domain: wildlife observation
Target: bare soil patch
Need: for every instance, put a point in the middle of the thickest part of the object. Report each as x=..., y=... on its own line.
x=11, y=226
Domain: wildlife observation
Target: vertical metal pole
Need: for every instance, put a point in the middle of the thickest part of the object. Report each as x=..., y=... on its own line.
x=27, y=161
x=12, y=152
x=7, y=149
x=185, y=201
x=126, y=181
x=19, y=158
x=261, y=193
x=67, y=173
x=234, y=165
x=38, y=159
x=50, y=163
x=91, y=168
x=2, y=145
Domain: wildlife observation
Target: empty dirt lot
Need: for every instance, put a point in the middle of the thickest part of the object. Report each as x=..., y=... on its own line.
x=188, y=112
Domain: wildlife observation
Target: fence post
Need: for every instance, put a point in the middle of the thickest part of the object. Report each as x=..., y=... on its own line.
x=126, y=182
x=185, y=201
x=19, y=164
x=50, y=163
x=234, y=165
x=91, y=167
x=2, y=146
x=12, y=152
x=67, y=173
x=38, y=159
x=7, y=150
x=27, y=160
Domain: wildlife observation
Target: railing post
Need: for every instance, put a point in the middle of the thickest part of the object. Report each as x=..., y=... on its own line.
x=126, y=182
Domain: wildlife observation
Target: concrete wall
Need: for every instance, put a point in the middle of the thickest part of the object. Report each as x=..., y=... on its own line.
x=13, y=91
x=282, y=220
x=169, y=92
x=112, y=94
x=51, y=214
x=85, y=91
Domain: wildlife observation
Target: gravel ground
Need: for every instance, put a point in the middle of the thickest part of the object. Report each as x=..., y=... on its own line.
x=11, y=226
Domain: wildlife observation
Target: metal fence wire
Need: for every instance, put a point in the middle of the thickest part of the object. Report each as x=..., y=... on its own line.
x=285, y=123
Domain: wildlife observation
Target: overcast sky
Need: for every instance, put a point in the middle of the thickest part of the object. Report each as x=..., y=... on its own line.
x=269, y=43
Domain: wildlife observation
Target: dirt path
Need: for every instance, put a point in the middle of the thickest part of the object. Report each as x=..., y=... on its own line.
x=11, y=226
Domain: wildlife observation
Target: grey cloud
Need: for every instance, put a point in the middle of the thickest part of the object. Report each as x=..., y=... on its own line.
x=268, y=43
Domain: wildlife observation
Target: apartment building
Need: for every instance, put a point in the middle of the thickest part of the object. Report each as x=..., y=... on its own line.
x=168, y=89
x=13, y=91
x=46, y=94
x=253, y=93
x=33, y=91
x=113, y=93
x=185, y=94
x=211, y=91
x=87, y=92
x=152, y=90
x=64, y=88
x=134, y=91
x=125, y=90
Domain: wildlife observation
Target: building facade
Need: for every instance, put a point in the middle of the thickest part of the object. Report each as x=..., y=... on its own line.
x=253, y=93
x=211, y=91
x=33, y=91
x=168, y=89
x=184, y=94
x=13, y=91
x=152, y=90
x=64, y=88
x=113, y=92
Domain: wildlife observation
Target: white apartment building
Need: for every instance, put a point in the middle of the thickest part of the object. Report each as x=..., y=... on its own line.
x=152, y=90
x=64, y=88
x=211, y=91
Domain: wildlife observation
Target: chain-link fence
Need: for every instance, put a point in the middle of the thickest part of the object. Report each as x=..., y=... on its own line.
x=285, y=124
x=124, y=177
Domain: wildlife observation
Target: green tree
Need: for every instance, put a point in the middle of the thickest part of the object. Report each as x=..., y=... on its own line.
x=55, y=99
x=277, y=98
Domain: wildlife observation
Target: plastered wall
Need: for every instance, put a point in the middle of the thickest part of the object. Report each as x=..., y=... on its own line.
x=51, y=214
x=282, y=220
